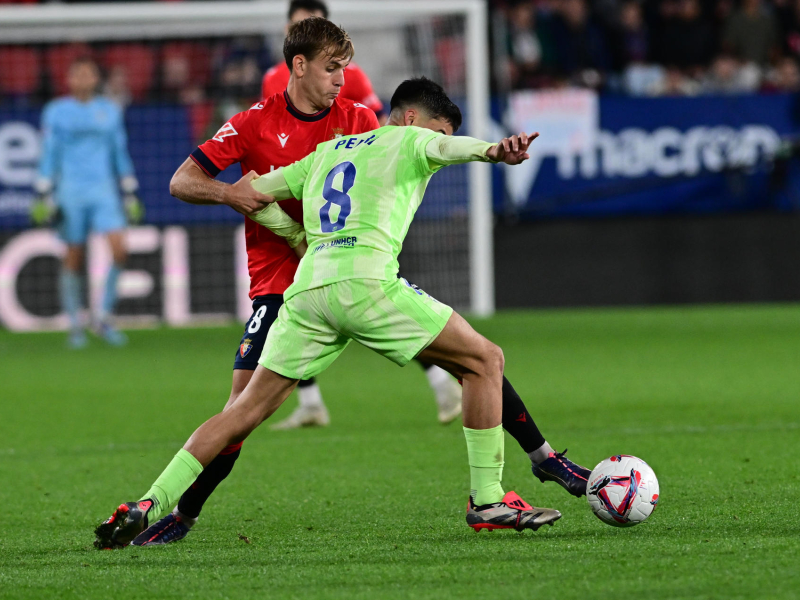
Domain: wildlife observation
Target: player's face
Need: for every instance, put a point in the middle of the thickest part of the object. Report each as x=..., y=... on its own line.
x=83, y=80
x=323, y=79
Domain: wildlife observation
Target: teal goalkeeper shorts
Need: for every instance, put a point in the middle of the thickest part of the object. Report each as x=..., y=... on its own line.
x=393, y=318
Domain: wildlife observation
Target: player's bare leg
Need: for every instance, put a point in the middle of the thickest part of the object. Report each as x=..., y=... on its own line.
x=479, y=363
x=262, y=396
x=467, y=355
x=71, y=290
x=103, y=323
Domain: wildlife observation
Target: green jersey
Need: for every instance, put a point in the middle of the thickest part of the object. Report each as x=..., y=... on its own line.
x=360, y=194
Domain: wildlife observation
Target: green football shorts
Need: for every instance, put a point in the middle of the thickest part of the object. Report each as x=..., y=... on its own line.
x=393, y=318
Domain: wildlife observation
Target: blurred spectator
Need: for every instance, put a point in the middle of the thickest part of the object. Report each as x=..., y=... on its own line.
x=523, y=45
x=581, y=51
x=185, y=70
x=784, y=77
x=133, y=62
x=729, y=76
x=685, y=38
x=632, y=38
x=676, y=83
x=643, y=80
x=751, y=33
x=240, y=79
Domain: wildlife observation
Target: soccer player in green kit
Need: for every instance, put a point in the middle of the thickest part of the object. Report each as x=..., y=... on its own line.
x=360, y=194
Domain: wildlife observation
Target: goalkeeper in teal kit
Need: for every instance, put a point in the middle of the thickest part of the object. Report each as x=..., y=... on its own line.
x=84, y=164
x=359, y=197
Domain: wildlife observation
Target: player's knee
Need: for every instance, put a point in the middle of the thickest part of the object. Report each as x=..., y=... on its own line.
x=492, y=361
x=497, y=360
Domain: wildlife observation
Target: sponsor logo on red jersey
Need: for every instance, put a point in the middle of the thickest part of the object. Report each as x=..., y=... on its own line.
x=226, y=130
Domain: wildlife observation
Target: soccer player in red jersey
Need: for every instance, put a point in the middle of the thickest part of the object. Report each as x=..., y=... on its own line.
x=273, y=133
x=357, y=87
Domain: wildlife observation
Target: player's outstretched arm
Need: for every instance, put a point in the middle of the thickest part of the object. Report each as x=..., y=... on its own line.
x=512, y=150
x=191, y=185
x=449, y=150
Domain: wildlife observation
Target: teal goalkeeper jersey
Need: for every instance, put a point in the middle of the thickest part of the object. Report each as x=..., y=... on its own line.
x=360, y=194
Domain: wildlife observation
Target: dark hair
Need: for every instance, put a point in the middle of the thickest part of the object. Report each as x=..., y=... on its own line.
x=311, y=6
x=313, y=36
x=428, y=96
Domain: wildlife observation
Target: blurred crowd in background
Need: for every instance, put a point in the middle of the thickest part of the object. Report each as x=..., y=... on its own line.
x=633, y=47
x=215, y=78
x=184, y=72
x=649, y=48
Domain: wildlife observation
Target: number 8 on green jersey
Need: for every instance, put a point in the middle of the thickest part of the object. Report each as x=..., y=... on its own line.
x=360, y=194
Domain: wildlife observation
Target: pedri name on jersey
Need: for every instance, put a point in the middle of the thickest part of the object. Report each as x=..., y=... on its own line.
x=350, y=143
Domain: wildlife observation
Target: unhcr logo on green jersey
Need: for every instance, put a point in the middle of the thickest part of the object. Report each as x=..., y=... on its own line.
x=345, y=242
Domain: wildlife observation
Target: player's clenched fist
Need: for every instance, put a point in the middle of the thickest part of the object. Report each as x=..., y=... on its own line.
x=512, y=150
x=242, y=198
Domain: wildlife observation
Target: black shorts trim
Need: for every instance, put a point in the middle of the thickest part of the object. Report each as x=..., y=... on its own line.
x=265, y=311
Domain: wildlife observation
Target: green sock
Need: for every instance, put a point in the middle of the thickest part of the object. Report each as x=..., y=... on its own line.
x=485, y=448
x=170, y=485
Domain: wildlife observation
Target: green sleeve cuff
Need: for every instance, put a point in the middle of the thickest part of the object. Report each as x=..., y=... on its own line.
x=277, y=221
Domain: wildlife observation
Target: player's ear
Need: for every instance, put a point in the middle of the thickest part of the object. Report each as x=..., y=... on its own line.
x=410, y=116
x=299, y=65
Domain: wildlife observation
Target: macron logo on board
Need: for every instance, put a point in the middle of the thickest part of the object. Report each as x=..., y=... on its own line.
x=226, y=130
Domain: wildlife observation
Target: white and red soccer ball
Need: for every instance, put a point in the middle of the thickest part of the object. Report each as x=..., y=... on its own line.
x=622, y=491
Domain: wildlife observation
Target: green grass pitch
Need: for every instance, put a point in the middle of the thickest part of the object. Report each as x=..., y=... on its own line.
x=373, y=506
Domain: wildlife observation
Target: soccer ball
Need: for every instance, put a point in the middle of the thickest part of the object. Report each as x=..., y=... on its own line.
x=622, y=491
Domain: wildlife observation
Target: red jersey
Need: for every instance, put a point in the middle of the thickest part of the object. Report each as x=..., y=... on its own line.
x=357, y=86
x=273, y=134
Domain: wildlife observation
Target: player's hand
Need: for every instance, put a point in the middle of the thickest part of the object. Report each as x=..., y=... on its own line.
x=44, y=212
x=242, y=198
x=512, y=150
x=134, y=208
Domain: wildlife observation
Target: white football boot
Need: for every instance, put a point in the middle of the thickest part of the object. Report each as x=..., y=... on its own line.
x=304, y=416
x=448, y=394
